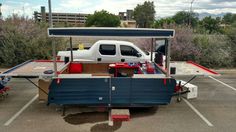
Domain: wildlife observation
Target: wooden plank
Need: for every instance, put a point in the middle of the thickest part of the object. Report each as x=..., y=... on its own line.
x=95, y=68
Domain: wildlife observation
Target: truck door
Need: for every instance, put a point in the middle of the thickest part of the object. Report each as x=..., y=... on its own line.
x=129, y=54
x=107, y=53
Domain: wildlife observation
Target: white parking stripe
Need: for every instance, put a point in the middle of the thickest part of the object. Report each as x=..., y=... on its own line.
x=20, y=111
x=222, y=83
x=198, y=113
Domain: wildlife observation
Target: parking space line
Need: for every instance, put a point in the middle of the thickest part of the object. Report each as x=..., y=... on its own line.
x=222, y=83
x=20, y=111
x=198, y=113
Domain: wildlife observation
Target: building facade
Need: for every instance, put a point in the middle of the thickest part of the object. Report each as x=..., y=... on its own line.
x=127, y=19
x=61, y=19
x=79, y=19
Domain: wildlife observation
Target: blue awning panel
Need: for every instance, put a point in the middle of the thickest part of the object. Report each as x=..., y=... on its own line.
x=111, y=32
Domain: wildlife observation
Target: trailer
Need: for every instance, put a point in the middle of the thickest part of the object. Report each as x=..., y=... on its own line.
x=110, y=85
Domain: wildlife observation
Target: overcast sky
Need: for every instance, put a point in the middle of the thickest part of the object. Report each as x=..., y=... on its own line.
x=163, y=8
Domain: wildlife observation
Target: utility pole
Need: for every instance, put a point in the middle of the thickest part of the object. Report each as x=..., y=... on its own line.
x=23, y=8
x=50, y=14
x=53, y=44
x=0, y=11
x=190, y=13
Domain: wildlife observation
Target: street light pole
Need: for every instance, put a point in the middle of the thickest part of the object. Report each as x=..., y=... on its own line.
x=53, y=44
x=50, y=14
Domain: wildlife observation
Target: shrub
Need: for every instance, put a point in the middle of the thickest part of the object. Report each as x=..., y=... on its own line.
x=182, y=46
x=22, y=39
x=214, y=50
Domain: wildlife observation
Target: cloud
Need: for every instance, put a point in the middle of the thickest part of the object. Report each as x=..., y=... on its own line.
x=164, y=8
x=217, y=11
x=75, y=3
x=112, y=6
x=216, y=7
x=20, y=8
x=221, y=1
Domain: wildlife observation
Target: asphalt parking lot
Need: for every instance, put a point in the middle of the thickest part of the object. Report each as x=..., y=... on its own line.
x=213, y=111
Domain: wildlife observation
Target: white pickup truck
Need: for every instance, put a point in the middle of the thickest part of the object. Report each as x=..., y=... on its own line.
x=108, y=51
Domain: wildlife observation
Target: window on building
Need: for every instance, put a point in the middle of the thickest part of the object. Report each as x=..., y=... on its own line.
x=106, y=49
x=128, y=51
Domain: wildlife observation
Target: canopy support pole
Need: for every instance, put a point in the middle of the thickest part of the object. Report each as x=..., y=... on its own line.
x=167, y=50
x=71, y=50
x=152, y=50
x=54, y=58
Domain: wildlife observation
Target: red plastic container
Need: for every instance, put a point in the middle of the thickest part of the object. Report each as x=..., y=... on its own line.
x=75, y=68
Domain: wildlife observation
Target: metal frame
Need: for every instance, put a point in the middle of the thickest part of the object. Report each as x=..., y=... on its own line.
x=71, y=50
x=111, y=32
x=165, y=34
x=168, y=44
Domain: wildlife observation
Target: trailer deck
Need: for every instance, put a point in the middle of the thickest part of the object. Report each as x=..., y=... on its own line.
x=32, y=68
x=104, y=85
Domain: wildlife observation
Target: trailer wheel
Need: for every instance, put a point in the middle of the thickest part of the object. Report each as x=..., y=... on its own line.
x=179, y=99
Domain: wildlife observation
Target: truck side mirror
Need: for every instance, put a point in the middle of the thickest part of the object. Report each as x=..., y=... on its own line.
x=138, y=54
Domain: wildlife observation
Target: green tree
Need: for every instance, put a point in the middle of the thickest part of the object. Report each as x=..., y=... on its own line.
x=163, y=22
x=210, y=25
x=145, y=14
x=214, y=50
x=231, y=34
x=186, y=18
x=229, y=18
x=102, y=19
